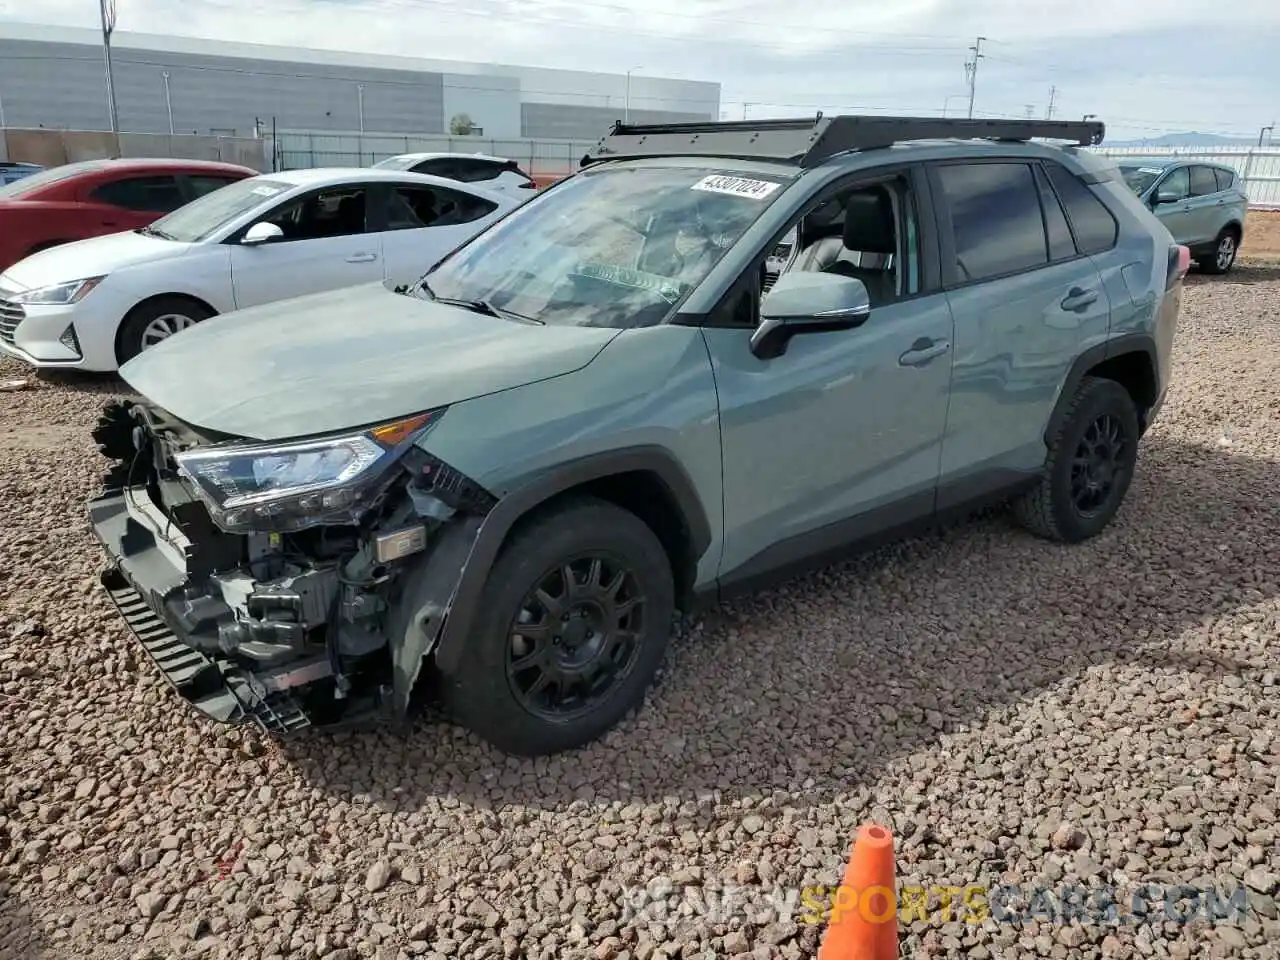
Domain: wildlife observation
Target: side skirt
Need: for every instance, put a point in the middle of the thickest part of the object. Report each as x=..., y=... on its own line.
x=910, y=516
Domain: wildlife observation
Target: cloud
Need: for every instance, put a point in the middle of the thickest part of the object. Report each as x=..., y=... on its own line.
x=1144, y=66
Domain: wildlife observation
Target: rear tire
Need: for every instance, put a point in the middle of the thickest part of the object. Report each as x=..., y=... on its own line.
x=155, y=320
x=1225, y=248
x=555, y=670
x=1089, y=468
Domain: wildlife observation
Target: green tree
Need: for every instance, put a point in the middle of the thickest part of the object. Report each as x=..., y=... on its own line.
x=461, y=125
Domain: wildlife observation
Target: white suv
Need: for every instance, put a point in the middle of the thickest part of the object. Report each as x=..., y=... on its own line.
x=492, y=173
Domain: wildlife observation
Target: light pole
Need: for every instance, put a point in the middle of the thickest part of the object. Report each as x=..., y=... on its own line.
x=626, y=108
x=168, y=100
x=360, y=99
x=947, y=102
x=107, y=8
x=1270, y=128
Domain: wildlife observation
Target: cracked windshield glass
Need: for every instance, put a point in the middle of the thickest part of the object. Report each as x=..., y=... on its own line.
x=609, y=248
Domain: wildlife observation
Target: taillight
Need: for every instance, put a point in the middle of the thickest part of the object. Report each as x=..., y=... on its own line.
x=1179, y=264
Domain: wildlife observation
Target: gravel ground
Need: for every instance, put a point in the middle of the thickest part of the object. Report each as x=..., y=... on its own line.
x=1020, y=713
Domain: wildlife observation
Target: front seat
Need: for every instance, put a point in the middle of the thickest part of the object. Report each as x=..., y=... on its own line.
x=869, y=228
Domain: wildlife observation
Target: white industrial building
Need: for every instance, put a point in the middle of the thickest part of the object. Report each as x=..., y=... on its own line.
x=54, y=77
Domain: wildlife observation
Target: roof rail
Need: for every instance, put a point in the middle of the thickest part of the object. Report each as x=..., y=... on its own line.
x=807, y=142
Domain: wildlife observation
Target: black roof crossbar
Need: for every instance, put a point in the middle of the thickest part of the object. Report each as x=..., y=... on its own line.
x=809, y=141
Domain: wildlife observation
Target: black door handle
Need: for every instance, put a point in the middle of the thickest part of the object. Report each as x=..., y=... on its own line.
x=1078, y=299
x=924, y=350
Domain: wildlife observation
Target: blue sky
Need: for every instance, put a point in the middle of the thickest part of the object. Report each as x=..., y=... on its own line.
x=1146, y=67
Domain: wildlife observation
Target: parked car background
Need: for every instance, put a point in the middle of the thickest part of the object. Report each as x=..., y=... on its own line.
x=93, y=304
x=12, y=171
x=95, y=197
x=1201, y=203
x=492, y=173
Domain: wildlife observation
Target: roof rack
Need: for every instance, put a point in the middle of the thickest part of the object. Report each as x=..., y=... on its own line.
x=808, y=142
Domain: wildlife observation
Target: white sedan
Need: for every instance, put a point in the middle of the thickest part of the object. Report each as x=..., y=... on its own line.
x=94, y=304
x=499, y=174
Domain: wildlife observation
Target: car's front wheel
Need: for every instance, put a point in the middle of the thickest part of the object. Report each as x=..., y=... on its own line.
x=573, y=625
x=1225, y=248
x=1089, y=468
x=154, y=321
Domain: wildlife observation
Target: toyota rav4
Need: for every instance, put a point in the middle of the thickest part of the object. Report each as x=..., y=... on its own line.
x=497, y=485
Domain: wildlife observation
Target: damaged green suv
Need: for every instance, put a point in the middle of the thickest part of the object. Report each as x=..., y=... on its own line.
x=498, y=486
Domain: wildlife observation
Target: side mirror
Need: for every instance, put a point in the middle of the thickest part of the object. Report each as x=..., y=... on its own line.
x=1166, y=197
x=805, y=302
x=260, y=233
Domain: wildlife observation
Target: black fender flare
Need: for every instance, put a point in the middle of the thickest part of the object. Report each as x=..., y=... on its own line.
x=1143, y=343
x=517, y=504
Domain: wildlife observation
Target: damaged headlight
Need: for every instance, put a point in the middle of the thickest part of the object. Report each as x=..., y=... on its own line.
x=291, y=486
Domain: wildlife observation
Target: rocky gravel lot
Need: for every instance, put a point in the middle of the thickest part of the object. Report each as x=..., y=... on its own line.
x=1020, y=714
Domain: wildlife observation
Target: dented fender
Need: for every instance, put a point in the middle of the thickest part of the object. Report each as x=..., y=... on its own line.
x=431, y=586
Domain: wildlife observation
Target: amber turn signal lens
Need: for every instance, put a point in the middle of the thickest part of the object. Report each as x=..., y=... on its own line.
x=395, y=433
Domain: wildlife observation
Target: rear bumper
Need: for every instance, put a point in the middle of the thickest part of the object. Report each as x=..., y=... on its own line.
x=143, y=579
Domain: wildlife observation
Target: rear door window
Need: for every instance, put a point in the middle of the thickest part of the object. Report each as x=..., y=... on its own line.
x=414, y=207
x=1092, y=224
x=202, y=183
x=1203, y=182
x=154, y=194
x=996, y=218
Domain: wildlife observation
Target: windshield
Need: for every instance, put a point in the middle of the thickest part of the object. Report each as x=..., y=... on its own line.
x=202, y=218
x=611, y=247
x=33, y=182
x=1139, y=178
x=397, y=163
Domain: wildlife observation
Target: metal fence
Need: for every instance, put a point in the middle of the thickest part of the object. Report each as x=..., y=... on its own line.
x=1258, y=167
x=299, y=149
x=50, y=148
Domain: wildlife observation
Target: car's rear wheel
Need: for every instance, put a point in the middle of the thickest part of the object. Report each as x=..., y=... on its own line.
x=1089, y=468
x=156, y=320
x=1225, y=248
x=573, y=625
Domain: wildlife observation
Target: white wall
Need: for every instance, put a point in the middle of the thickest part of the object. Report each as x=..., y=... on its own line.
x=493, y=103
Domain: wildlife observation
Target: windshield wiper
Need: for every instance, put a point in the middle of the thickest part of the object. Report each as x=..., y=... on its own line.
x=481, y=306
x=150, y=231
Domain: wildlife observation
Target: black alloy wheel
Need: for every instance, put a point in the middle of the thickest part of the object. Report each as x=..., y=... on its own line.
x=576, y=637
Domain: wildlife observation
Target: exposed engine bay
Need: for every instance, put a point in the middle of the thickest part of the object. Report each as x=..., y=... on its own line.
x=292, y=611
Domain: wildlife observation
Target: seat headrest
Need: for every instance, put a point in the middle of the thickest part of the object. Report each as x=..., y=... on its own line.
x=869, y=225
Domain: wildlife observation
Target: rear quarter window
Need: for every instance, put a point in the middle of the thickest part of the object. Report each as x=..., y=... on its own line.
x=1226, y=178
x=1093, y=225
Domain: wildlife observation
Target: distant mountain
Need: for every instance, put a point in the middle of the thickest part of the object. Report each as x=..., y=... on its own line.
x=1189, y=139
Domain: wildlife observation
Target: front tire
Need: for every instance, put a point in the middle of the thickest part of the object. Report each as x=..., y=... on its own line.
x=154, y=321
x=574, y=622
x=1225, y=248
x=1089, y=468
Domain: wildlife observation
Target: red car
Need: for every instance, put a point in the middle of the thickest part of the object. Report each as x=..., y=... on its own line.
x=93, y=197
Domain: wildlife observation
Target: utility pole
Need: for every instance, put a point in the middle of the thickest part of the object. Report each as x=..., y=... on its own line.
x=971, y=71
x=107, y=8
x=168, y=100
x=1053, y=96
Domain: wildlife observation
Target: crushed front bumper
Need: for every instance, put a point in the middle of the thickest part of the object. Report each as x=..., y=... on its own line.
x=144, y=581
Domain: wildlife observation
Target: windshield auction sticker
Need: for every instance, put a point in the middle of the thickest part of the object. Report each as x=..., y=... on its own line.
x=737, y=186
x=265, y=191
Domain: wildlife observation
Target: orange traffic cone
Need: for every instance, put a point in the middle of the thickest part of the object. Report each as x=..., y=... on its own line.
x=863, y=923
